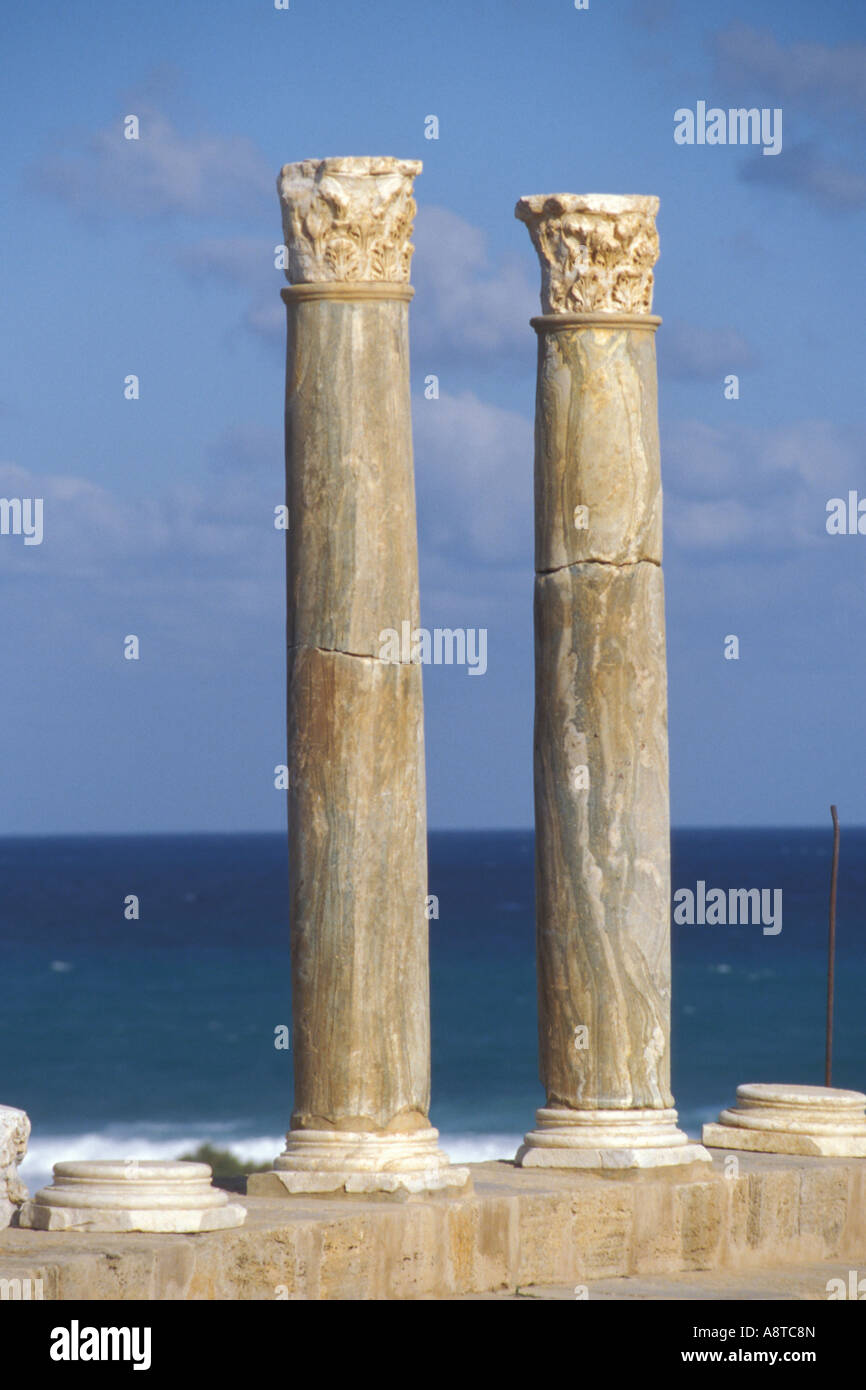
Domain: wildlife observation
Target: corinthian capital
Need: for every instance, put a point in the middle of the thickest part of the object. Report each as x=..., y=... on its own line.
x=597, y=251
x=348, y=219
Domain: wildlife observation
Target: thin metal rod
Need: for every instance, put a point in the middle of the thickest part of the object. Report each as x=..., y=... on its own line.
x=831, y=960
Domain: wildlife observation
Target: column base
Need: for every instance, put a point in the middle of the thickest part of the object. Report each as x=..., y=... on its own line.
x=608, y=1139
x=348, y=1161
x=131, y=1195
x=821, y=1121
x=14, y=1133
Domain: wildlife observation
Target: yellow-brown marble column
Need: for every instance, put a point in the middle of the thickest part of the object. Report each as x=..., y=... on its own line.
x=601, y=743
x=357, y=813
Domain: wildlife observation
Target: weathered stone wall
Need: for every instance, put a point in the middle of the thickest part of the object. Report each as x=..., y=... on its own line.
x=520, y=1227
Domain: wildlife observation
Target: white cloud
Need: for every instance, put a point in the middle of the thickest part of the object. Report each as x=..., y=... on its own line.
x=152, y=547
x=728, y=488
x=809, y=75
x=246, y=263
x=831, y=183
x=466, y=307
x=474, y=480
x=825, y=87
x=163, y=173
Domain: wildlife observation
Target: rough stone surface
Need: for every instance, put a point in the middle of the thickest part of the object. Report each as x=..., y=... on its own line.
x=793, y=1119
x=598, y=479
x=520, y=1227
x=597, y=250
x=602, y=850
x=813, y=1283
x=131, y=1195
x=14, y=1134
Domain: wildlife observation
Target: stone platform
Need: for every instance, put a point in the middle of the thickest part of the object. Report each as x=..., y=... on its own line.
x=519, y=1228
x=814, y=1283
x=814, y=1120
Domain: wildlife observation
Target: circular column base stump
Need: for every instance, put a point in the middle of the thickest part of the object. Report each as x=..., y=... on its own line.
x=131, y=1195
x=608, y=1140
x=328, y=1161
x=820, y=1121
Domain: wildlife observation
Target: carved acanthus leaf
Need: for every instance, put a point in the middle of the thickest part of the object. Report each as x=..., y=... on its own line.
x=596, y=250
x=348, y=219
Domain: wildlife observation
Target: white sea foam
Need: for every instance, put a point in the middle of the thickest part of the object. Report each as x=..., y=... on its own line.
x=163, y=1142
x=479, y=1148
x=169, y=1141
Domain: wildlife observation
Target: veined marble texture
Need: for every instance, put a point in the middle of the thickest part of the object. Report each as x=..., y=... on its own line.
x=357, y=799
x=357, y=845
x=602, y=836
x=601, y=741
x=352, y=539
x=597, y=473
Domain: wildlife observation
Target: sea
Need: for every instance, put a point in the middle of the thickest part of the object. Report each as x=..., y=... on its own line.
x=146, y=1037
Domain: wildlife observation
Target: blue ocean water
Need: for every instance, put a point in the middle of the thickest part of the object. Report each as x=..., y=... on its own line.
x=144, y=1038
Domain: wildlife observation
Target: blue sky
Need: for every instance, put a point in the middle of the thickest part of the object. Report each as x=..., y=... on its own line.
x=155, y=257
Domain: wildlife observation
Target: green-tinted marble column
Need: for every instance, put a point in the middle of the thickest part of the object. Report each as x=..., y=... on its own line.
x=357, y=813
x=601, y=744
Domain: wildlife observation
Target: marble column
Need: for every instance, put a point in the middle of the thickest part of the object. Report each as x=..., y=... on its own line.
x=357, y=813
x=601, y=745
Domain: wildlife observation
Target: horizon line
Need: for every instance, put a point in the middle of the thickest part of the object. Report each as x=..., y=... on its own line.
x=431, y=830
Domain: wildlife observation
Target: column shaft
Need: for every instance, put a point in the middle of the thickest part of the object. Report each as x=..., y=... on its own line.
x=601, y=746
x=357, y=812
x=357, y=825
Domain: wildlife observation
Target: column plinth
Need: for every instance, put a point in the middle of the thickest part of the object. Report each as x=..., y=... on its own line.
x=357, y=813
x=822, y=1121
x=131, y=1195
x=601, y=749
